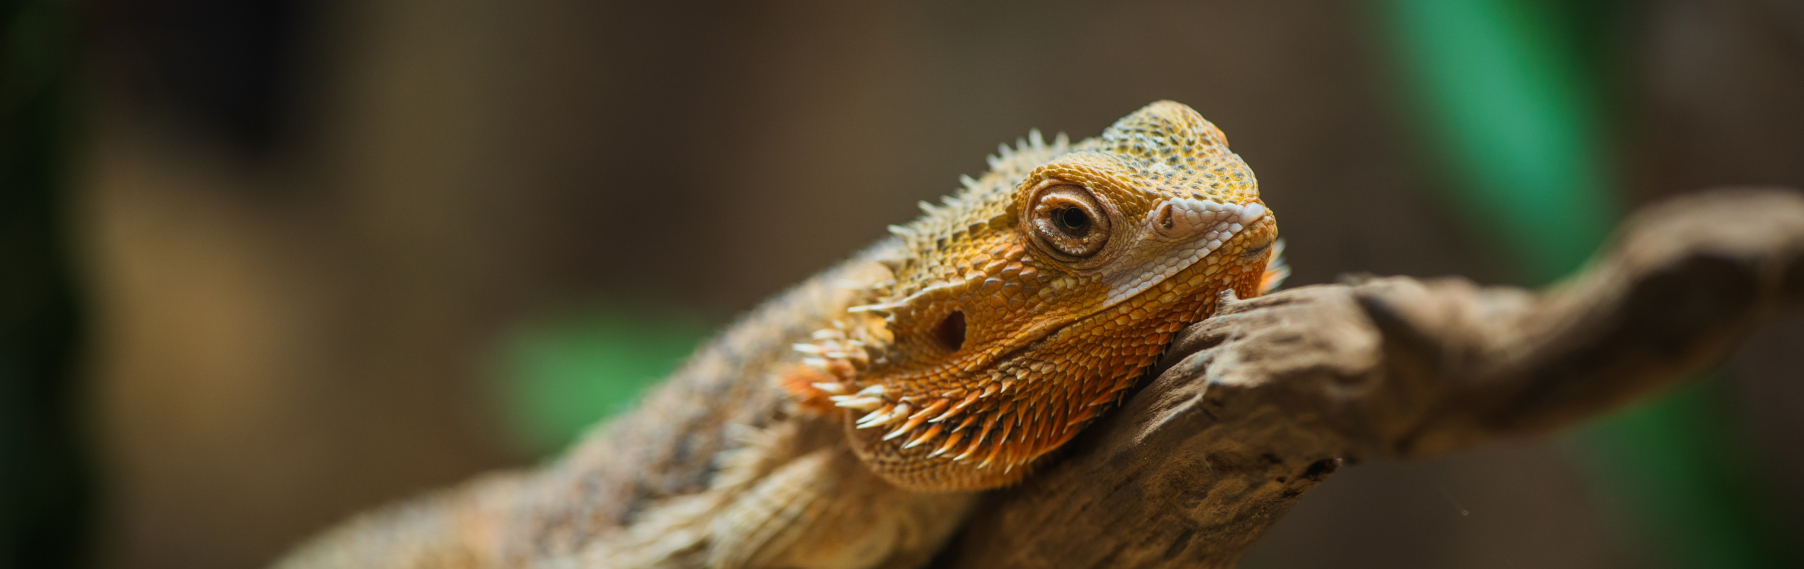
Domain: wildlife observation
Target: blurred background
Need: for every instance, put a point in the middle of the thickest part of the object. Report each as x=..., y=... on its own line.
x=264, y=264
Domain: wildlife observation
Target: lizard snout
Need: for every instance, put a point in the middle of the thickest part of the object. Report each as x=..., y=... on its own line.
x=1212, y=221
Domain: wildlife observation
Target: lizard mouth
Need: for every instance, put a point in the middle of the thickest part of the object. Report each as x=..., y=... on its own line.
x=1178, y=233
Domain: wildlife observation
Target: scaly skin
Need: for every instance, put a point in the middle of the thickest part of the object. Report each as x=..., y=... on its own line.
x=849, y=422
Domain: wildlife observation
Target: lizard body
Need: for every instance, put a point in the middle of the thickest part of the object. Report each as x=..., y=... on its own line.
x=849, y=422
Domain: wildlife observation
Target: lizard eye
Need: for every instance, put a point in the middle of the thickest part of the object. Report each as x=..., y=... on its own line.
x=1072, y=222
x=1066, y=219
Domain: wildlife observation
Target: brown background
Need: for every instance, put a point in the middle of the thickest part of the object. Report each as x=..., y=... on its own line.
x=293, y=324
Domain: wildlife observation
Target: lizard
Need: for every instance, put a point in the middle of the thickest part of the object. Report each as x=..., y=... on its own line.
x=851, y=421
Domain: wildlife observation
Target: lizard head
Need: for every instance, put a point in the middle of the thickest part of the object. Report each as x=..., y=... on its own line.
x=1029, y=301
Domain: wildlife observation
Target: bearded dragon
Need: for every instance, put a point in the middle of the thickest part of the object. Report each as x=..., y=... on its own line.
x=851, y=421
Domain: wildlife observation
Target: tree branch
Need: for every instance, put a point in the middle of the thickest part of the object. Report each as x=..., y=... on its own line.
x=1257, y=405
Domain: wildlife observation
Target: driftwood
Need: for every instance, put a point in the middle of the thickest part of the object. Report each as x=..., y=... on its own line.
x=1254, y=407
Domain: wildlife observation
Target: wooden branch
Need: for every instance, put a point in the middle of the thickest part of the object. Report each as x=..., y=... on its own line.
x=1259, y=404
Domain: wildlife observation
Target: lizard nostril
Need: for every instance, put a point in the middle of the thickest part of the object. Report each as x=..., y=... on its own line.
x=951, y=331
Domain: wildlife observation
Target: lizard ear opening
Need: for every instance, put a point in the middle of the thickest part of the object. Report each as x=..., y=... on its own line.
x=951, y=331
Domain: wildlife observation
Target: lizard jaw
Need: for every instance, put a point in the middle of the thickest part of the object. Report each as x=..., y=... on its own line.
x=1188, y=230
